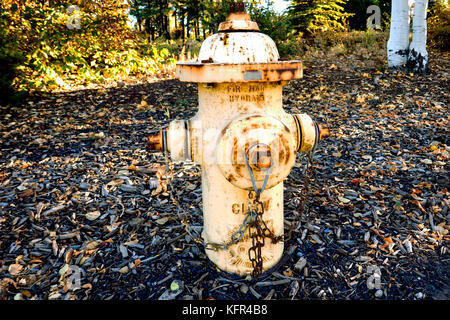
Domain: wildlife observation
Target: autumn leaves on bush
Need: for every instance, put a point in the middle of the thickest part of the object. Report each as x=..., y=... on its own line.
x=43, y=52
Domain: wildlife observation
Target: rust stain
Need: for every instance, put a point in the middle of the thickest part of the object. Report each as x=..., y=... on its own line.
x=253, y=116
x=266, y=204
x=235, y=141
x=235, y=261
x=247, y=145
x=281, y=155
x=223, y=131
x=281, y=71
x=288, y=156
x=231, y=178
x=225, y=39
x=241, y=249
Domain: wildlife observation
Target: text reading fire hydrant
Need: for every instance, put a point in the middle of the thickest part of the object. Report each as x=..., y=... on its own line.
x=244, y=141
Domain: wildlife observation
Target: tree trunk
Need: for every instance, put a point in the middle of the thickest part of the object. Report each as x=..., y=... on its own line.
x=182, y=27
x=175, y=20
x=197, y=29
x=397, y=46
x=418, y=55
x=187, y=28
x=167, y=28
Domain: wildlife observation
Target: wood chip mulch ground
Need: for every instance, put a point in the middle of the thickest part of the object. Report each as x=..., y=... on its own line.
x=86, y=211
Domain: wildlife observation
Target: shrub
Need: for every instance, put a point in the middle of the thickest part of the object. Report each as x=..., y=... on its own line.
x=365, y=43
x=275, y=25
x=314, y=16
x=9, y=62
x=102, y=48
x=439, y=27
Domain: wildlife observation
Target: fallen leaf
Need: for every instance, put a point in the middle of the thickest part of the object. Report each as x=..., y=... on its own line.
x=174, y=286
x=26, y=193
x=92, y=215
x=162, y=221
x=124, y=270
x=288, y=272
x=343, y=200
x=14, y=269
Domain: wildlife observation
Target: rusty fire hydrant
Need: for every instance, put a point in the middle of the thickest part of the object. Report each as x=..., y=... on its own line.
x=244, y=141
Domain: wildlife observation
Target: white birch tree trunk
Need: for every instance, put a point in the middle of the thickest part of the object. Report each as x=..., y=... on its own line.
x=398, y=44
x=418, y=55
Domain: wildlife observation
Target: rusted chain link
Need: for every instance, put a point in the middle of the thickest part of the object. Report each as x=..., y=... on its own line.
x=309, y=170
x=259, y=230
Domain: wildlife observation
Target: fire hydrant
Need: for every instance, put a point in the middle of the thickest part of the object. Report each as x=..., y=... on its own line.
x=244, y=141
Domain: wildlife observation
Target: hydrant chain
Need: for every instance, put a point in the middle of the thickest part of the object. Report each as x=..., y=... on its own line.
x=258, y=191
x=236, y=236
x=307, y=176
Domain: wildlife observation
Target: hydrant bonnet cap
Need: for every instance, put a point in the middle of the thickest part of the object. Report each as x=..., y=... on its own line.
x=239, y=53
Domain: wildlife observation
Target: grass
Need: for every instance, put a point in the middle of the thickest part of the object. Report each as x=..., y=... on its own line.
x=365, y=43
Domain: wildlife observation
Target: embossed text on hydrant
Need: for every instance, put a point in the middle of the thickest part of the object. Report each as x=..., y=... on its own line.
x=251, y=93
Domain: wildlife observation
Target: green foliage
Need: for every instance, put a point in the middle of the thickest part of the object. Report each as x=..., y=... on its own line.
x=313, y=16
x=153, y=14
x=8, y=74
x=439, y=27
x=53, y=54
x=192, y=19
x=367, y=44
x=275, y=25
x=39, y=51
x=9, y=62
x=215, y=13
